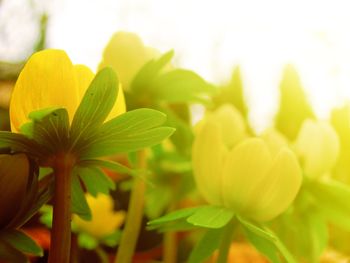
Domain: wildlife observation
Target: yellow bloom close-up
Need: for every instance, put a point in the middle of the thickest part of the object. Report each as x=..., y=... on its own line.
x=104, y=219
x=248, y=177
x=317, y=146
x=49, y=79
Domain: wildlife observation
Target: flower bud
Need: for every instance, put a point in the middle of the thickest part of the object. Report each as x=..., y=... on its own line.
x=246, y=177
x=317, y=146
x=126, y=54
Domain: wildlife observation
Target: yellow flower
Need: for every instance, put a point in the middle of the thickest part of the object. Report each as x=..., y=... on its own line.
x=340, y=119
x=49, y=79
x=317, y=145
x=126, y=54
x=247, y=177
x=231, y=122
x=104, y=220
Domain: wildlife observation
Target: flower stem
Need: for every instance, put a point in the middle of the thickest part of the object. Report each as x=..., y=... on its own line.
x=61, y=228
x=170, y=247
x=226, y=242
x=134, y=216
x=170, y=242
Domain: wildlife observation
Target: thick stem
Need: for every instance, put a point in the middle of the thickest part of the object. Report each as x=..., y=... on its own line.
x=170, y=247
x=61, y=228
x=170, y=243
x=134, y=217
x=226, y=242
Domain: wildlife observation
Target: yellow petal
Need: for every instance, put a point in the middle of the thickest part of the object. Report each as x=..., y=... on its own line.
x=244, y=170
x=317, y=146
x=119, y=107
x=278, y=188
x=104, y=219
x=232, y=124
x=208, y=155
x=274, y=140
x=126, y=54
x=47, y=80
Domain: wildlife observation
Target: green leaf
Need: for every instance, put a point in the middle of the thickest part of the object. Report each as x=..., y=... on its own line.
x=19, y=143
x=49, y=128
x=257, y=230
x=96, y=104
x=267, y=242
x=110, y=165
x=79, y=203
x=210, y=217
x=182, y=86
x=128, y=132
x=333, y=201
x=95, y=180
x=10, y=254
x=174, y=216
x=21, y=242
x=86, y=241
x=149, y=72
x=263, y=245
x=113, y=239
x=206, y=246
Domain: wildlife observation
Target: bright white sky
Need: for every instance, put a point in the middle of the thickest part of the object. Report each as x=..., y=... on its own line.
x=210, y=37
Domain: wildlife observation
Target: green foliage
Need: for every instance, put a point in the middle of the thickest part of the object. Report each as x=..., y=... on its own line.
x=79, y=203
x=131, y=131
x=206, y=246
x=97, y=103
x=95, y=180
x=21, y=242
x=332, y=201
x=210, y=217
x=233, y=93
x=294, y=105
x=265, y=241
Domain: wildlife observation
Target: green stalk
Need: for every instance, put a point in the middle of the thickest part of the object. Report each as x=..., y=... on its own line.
x=170, y=247
x=226, y=242
x=61, y=228
x=134, y=216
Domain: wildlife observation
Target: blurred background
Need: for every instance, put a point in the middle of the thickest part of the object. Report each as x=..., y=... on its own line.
x=209, y=37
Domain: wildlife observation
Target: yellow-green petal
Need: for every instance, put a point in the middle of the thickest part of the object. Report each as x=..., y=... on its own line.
x=278, y=188
x=47, y=80
x=126, y=54
x=208, y=155
x=244, y=170
x=317, y=146
x=232, y=124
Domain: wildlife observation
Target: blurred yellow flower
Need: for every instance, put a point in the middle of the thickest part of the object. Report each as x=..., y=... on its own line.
x=126, y=54
x=49, y=79
x=104, y=219
x=231, y=122
x=317, y=146
x=340, y=120
x=247, y=177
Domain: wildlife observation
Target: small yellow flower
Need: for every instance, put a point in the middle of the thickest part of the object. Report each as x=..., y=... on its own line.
x=49, y=79
x=247, y=177
x=126, y=54
x=104, y=219
x=317, y=145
